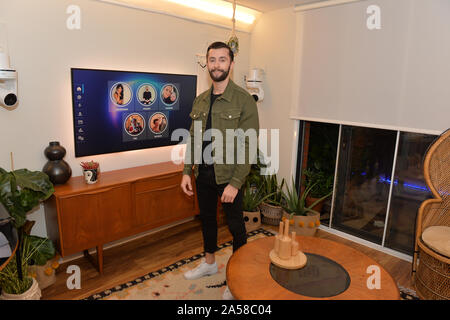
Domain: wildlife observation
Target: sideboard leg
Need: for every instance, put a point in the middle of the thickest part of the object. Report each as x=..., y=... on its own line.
x=99, y=263
x=100, y=258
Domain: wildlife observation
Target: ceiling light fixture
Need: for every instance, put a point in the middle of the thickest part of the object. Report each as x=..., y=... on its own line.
x=219, y=7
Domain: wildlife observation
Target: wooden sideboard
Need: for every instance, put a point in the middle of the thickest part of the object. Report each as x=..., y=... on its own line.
x=125, y=202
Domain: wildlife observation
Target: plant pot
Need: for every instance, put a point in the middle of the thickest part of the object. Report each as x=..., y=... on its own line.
x=34, y=293
x=42, y=278
x=303, y=225
x=252, y=220
x=90, y=175
x=318, y=207
x=271, y=214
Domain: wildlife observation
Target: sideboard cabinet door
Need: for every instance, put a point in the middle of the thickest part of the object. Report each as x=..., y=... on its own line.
x=92, y=218
x=80, y=223
x=160, y=200
x=117, y=210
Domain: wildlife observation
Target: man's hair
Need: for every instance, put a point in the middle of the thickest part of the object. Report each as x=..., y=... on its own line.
x=219, y=45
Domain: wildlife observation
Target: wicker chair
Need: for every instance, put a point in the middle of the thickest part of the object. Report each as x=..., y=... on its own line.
x=431, y=266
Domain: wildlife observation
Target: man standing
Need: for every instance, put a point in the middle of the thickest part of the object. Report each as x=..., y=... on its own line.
x=224, y=106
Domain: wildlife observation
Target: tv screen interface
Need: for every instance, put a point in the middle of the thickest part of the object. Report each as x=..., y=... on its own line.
x=117, y=111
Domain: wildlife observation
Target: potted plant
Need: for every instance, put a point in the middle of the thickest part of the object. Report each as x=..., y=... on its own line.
x=303, y=218
x=323, y=185
x=271, y=209
x=254, y=178
x=252, y=197
x=43, y=262
x=20, y=192
x=90, y=171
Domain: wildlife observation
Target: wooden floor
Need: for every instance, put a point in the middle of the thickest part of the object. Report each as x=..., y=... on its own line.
x=152, y=252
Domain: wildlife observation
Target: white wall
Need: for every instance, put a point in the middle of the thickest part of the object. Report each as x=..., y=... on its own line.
x=272, y=48
x=43, y=50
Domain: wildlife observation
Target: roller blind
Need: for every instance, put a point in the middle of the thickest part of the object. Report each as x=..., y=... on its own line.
x=396, y=77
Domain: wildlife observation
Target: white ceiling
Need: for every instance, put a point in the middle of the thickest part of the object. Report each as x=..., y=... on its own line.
x=270, y=5
x=165, y=7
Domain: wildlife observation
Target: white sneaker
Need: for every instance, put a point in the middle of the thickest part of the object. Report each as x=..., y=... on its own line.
x=203, y=269
x=227, y=294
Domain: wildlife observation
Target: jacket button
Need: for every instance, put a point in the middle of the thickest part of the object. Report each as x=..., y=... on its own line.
x=204, y=114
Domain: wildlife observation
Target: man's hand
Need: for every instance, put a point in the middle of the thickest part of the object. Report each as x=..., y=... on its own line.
x=229, y=193
x=186, y=185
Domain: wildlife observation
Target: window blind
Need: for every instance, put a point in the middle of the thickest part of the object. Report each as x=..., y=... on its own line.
x=396, y=77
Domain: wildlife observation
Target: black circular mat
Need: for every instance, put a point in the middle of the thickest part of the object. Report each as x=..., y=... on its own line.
x=320, y=278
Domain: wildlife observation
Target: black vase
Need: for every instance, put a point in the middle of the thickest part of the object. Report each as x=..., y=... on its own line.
x=56, y=168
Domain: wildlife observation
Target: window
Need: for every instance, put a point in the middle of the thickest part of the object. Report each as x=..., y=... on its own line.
x=362, y=188
x=367, y=201
x=409, y=191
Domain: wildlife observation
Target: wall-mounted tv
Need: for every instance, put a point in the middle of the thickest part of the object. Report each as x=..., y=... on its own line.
x=117, y=111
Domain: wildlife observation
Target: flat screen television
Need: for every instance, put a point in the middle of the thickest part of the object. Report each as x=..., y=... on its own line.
x=117, y=111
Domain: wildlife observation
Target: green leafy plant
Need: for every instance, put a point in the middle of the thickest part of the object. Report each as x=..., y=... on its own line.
x=15, y=278
x=10, y=281
x=271, y=186
x=43, y=251
x=254, y=178
x=323, y=182
x=20, y=192
x=252, y=197
x=294, y=204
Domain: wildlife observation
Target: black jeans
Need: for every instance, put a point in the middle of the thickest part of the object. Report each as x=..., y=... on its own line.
x=208, y=192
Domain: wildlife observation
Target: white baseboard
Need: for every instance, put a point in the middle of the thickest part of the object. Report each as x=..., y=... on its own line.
x=366, y=243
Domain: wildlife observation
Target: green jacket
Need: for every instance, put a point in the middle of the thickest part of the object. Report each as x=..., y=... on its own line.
x=234, y=109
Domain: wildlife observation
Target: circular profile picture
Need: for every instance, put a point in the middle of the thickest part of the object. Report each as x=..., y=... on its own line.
x=158, y=123
x=134, y=124
x=169, y=94
x=146, y=94
x=121, y=94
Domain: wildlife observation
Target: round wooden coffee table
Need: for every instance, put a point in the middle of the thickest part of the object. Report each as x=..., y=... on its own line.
x=249, y=274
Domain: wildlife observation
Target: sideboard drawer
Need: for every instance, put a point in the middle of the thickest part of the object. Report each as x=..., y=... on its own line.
x=158, y=182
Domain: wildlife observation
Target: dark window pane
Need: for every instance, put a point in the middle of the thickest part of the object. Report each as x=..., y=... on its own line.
x=364, y=174
x=319, y=162
x=409, y=191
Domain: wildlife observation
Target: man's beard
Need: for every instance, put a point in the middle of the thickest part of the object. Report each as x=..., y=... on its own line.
x=220, y=78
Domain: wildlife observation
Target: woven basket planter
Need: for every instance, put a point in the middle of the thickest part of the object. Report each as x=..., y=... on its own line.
x=33, y=293
x=432, y=278
x=270, y=214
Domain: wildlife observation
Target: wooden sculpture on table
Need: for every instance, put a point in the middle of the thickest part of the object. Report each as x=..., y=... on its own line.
x=285, y=253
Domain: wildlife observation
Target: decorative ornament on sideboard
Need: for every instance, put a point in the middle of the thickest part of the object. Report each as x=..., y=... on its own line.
x=56, y=168
x=90, y=171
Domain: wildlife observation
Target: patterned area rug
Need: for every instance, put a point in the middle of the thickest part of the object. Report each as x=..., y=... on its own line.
x=407, y=294
x=169, y=284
